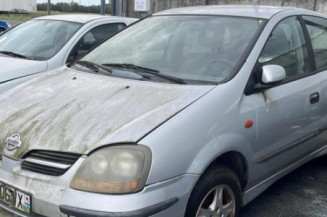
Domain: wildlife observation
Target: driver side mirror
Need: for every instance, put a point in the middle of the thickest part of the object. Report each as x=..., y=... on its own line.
x=272, y=74
x=269, y=75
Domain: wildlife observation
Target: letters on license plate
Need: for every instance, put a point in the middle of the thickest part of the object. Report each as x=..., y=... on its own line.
x=15, y=198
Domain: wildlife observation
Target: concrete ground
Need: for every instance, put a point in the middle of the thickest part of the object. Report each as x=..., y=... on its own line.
x=302, y=193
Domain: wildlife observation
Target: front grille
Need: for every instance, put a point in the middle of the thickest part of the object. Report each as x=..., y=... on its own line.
x=49, y=162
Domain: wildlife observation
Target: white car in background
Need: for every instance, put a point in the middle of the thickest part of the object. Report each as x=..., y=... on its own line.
x=46, y=43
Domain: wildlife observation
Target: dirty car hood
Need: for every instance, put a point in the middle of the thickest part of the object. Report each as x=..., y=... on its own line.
x=77, y=112
x=12, y=68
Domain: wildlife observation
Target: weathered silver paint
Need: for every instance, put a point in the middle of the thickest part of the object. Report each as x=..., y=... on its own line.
x=223, y=131
x=186, y=129
x=58, y=107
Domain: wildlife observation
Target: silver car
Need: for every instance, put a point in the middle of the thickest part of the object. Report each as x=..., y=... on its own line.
x=190, y=112
x=47, y=43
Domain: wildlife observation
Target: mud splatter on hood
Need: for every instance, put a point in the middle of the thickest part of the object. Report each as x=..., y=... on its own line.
x=78, y=112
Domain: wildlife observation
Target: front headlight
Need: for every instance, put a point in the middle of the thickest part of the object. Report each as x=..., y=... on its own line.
x=114, y=170
x=8, y=24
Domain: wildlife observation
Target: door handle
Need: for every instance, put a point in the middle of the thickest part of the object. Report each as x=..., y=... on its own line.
x=314, y=98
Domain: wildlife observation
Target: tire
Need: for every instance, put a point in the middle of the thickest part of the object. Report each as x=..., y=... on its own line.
x=212, y=183
x=2, y=30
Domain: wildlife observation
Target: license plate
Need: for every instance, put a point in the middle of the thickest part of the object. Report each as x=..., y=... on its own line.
x=15, y=198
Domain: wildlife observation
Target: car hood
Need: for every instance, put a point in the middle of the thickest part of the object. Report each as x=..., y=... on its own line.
x=12, y=68
x=78, y=112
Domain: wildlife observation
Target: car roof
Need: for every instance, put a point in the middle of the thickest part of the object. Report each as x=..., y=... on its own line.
x=82, y=18
x=264, y=12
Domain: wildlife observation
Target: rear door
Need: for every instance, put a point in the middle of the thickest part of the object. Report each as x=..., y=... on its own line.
x=317, y=31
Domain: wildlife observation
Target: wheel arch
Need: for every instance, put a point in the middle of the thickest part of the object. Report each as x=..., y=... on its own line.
x=231, y=150
x=222, y=169
x=235, y=161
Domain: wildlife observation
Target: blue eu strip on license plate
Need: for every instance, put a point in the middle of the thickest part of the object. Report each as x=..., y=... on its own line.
x=15, y=198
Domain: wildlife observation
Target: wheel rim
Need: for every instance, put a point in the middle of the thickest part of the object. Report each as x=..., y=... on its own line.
x=219, y=202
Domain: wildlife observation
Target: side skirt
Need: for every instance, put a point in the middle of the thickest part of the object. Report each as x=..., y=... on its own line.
x=253, y=192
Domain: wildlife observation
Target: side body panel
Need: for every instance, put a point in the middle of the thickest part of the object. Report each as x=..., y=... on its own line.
x=214, y=125
x=211, y=126
x=288, y=125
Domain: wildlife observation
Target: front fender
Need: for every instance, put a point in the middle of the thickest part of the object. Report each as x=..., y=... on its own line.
x=229, y=142
x=192, y=139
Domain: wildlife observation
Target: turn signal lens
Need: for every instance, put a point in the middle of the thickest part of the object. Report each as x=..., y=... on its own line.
x=248, y=123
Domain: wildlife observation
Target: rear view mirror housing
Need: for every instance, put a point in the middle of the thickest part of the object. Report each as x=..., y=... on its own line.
x=272, y=74
x=267, y=77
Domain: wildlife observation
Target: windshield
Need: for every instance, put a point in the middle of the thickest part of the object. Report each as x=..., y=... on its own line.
x=192, y=48
x=38, y=39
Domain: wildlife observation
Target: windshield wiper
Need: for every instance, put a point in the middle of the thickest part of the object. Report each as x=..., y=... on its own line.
x=96, y=68
x=93, y=66
x=146, y=70
x=13, y=54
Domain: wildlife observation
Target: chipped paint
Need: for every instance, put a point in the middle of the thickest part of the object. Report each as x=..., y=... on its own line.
x=78, y=112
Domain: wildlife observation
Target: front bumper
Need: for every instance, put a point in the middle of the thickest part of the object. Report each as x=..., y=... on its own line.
x=51, y=196
x=148, y=211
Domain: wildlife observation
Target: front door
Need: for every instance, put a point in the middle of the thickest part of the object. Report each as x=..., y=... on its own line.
x=288, y=113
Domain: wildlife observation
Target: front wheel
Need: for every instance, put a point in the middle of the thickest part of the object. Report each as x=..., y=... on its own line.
x=217, y=194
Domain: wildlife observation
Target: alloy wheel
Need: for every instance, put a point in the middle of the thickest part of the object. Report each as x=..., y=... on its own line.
x=219, y=202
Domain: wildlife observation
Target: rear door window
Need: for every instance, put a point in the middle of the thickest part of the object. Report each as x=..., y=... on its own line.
x=317, y=29
x=93, y=38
